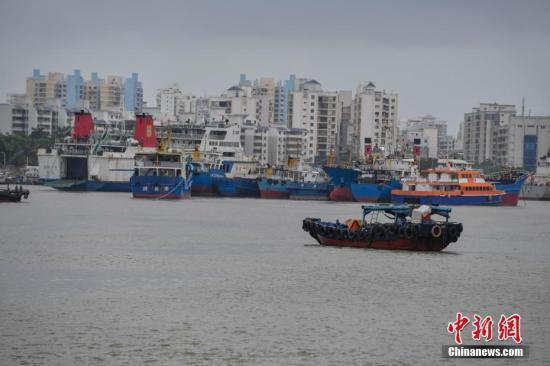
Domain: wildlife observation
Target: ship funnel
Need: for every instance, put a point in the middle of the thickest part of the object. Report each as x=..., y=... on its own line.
x=83, y=125
x=144, y=132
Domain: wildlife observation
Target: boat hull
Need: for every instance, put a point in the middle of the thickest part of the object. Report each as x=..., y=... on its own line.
x=392, y=236
x=397, y=244
x=88, y=185
x=237, y=187
x=512, y=190
x=13, y=196
x=451, y=200
x=341, y=178
x=535, y=192
x=309, y=191
x=273, y=189
x=203, y=185
x=341, y=194
x=373, y=192
x=158, y=187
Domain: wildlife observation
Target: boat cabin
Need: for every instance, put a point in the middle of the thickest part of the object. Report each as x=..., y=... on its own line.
x=159, y=164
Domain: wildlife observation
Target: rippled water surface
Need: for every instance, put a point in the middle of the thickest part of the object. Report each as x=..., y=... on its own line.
x=101, y=278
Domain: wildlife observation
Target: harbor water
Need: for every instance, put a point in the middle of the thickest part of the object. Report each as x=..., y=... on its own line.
x=101, y=278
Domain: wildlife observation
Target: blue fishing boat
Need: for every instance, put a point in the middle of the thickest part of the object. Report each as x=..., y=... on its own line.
x=237, y=179
x=273, y=187
x=309, y=190
x=204, y=178
x=342, y=178
x=509, y=182
x=160, y=175
x=375, y=190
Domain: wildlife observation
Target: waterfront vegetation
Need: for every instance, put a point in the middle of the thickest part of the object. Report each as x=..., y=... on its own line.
x=20, y=149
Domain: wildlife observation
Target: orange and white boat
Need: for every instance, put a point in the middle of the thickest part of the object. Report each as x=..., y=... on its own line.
x=448, y=186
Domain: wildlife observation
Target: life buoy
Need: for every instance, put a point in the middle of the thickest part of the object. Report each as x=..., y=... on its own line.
x=436, y=231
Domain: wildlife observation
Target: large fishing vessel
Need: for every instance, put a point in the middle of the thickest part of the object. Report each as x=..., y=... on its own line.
x=508, y=180
x=88, y=162
x=448, y=186
x=308, y=184
x=238, y=179
x=372, y=182
x=213, y=168
x=160, y=174
x=410, y=228
x=537, y=186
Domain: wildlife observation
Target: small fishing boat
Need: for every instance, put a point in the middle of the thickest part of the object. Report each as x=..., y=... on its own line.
x=411, y=228
x=13, y=195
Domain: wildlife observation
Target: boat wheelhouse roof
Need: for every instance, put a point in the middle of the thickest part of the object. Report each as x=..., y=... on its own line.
x=451, y=171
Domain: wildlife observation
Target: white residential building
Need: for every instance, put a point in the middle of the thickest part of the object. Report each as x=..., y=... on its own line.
x=317, y=112
x=375, y=116
x=439, y=145
x=19, y=117
x=479, y=126
x=174, y=105
x=522, y=142
x=273, y=145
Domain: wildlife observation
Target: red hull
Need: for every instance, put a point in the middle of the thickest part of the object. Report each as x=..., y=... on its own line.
x=274, y=195
x=510, y=199
x=398, y=244
x=341, y=194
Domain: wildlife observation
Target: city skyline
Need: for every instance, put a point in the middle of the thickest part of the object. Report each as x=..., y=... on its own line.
x=440, y=58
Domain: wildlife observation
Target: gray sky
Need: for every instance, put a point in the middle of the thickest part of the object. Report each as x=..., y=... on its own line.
x=442, y=57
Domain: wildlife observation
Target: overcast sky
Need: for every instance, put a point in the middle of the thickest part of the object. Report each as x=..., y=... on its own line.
x=442, y=57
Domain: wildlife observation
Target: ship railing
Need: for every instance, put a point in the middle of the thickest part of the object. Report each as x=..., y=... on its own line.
x=157, y=164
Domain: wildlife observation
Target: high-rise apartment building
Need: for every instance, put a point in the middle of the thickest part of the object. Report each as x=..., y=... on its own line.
x=432, y=131
x=317, y=112
x=74, y=92
x=479, y=128
x=375, y=116
x=133, y=94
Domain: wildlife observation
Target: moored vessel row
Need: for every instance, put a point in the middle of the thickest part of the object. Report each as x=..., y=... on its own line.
x=94, y=161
